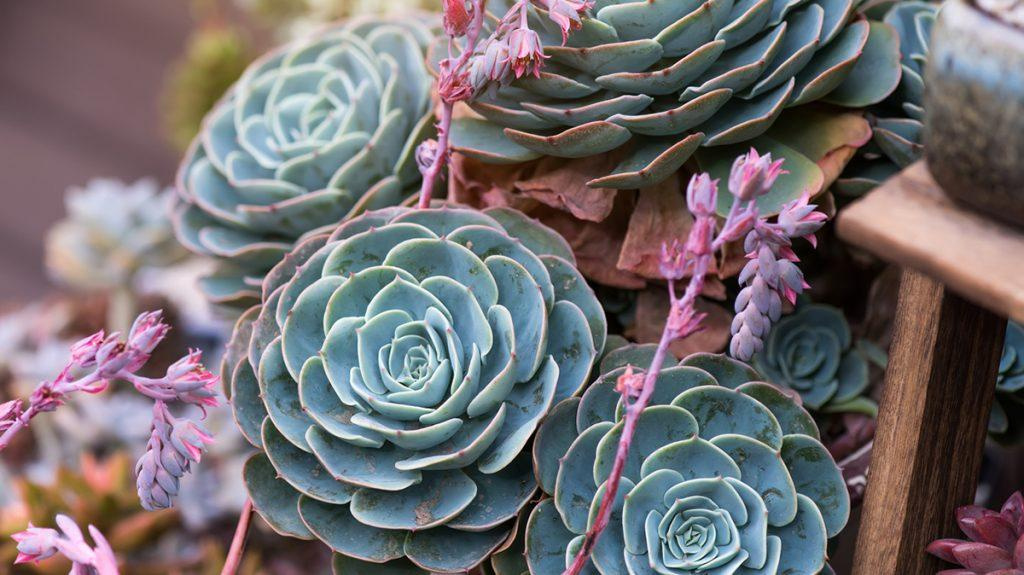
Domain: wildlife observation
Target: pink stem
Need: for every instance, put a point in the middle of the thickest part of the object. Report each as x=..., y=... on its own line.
x=234, y=559
x=432, y=174
x=444, y=123
x=20, y=423
x=702, y=262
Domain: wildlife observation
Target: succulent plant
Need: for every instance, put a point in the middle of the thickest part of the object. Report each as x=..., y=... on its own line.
x=1006, y=424
x=669, y=77
x=725, y=475
x=112, y=230
x=996, y=545
x=314, y=132
x=896, y=123
x=395, y=373
x=812, y=352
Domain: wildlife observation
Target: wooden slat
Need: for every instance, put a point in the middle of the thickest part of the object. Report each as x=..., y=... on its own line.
x=932, y=424
x=911, y=222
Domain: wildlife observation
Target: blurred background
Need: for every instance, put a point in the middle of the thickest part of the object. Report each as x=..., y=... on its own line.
x=81, y=87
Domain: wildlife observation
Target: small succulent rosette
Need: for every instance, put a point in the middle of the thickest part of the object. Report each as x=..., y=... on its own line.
x=812, y=352
x=315, y=132
x=395, y=374
x=1006, y=424
x=112, y=230
x=662, y=80
x=725, y=476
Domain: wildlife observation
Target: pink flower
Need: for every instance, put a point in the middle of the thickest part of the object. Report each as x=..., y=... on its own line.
x=673, y=264
x=629, y=384
x=702, y=195
x=83, y=352
x=38, y=543
x=456, y=18
x=148, y=331
x=35, y=544
x=753, y=176
x=566, y=14
x=9, y=412
x=683, y=320
x=799, y=219
x=526, y=52
x=189, y=381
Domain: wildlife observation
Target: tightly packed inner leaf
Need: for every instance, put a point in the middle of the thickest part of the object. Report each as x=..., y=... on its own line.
x=312, y=133
x=669, y=76
x=397, y=370
x=725, y=475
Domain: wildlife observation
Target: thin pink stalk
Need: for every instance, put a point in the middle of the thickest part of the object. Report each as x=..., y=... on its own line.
x=752, y=176
x=682, y=308
x=444, y=124
x=234, y=559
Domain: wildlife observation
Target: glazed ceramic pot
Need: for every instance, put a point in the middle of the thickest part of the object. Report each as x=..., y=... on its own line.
x=974, y=102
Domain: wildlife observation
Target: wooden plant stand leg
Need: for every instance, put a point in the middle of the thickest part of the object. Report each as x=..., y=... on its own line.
x=931, y=428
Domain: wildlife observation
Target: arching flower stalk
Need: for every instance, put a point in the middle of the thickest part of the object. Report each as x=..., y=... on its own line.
x=512, y=50
x=108, y=358
x=752, y=177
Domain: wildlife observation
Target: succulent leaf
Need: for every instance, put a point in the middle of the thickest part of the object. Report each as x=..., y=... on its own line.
x=313, y=133
x=712, y=484
x=401, y=373
x=655, y=74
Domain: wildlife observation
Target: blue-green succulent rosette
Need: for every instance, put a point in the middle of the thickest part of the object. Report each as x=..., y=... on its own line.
x=315, y=132
x=726, y=475
x=1006, y=424
x=394, y=378
x=812, y=352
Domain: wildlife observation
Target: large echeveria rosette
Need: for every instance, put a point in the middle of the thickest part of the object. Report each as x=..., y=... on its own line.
x=396, y=372
x=726, y=475
x=313, y=133
x=660, y=80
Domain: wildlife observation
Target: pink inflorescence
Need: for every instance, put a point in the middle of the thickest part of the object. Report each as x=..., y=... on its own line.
x=38, y=543
x=107, y=358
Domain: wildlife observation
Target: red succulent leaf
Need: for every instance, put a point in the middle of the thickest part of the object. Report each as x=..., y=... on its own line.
x=1006, y=572
x=967, y=517
x=982, y=557
x=996, y=530
x=1018, y=553
x=943, y=549
x=1013, y=510
x=956, y=572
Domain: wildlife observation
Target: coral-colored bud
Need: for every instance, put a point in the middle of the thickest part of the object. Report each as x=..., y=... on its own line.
x=753, y=175
x=702, y=195
x=456, y=18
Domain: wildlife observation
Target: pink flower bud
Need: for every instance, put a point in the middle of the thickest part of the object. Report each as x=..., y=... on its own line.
x=148, y=331
x=526, y=52
x=566, y=14
x=83, y=352
x=672, y=264
x=753, y=176
x=426, y=155
x=9, y=413
x=456, y=18
x=630, y=384
x=702, y=195
x=491, y=65
x=35, y=544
